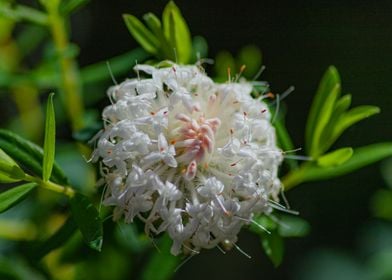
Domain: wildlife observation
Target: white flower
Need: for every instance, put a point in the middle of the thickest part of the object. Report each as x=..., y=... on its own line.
x=188, y=156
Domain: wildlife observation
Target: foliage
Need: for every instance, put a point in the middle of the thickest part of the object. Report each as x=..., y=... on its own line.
x=26, y=169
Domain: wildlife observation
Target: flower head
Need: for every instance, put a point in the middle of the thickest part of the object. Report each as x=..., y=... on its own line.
x=188, y=156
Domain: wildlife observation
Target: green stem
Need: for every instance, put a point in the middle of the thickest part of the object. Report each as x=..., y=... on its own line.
x=69, y=70
x=294, y=177
x=68, y=191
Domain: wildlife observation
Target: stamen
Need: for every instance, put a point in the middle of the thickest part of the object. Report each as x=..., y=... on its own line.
x=111, y=72
x=184, y=262
x=253, y=222
x=280, y=207
x=241, y=251
x=299, y=157
x=221, y=250
x=262, y=68
x=292, y=151
x=277, y=108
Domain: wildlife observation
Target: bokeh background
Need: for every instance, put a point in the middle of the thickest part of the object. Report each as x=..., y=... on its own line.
x=299, y=40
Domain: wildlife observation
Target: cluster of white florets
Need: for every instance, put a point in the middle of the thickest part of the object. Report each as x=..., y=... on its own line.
x=188, y=156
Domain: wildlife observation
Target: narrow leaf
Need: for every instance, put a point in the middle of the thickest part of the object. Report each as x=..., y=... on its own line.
x=21, y=12
x=9, y=169
x=15, y=195
x=162, y=264
x=119, y=65
x=291, y=226
x=155, y=26
x=223, y=62
x=141, y=34
x=87, y=219
x=335, y=158
x=28, y=155
x=250, y=56
x=199, y=48
x=177, y=32
x=324, y=117
x=328, y=83
x=273, y=247
x=342, y=104
x=351, y=117
x=381, y=204
x=284, y=139
x=361, y=157
x=50, y=138
x=30, y=38
x=70, y=6
x=340, y=108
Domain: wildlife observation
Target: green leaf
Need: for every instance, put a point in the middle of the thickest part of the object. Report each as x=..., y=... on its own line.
x=324, y=118
x=273, y=247
x=21, y=12
x=199, y=48
x=50, y=139
x=119, y=65
x=177, y=32
x=340, y=107
x=9, y=169
x=386, y=171
x=141, y=34
x=291, y=226
x=70, y=6
x=261, y=223
x=14, y=195
x=321, y=109
x=381, y=204
x=251, y=57
x=335, y=158
x=87, y=219
x=284, y=139
x=361, y=157
x=155, y=26
x=224, y=61
x=58, y=239
x=30, y=37
x=28, y=155
x=131, y=239
x=162, y=263
x=351, y=117
x=342, y=104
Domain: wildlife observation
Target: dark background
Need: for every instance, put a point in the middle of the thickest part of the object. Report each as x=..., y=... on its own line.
x=299, y=40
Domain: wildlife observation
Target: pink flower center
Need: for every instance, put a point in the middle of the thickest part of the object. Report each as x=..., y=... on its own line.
x=196, y=141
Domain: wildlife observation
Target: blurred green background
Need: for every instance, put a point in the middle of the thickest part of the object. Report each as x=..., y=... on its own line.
x=299, y=40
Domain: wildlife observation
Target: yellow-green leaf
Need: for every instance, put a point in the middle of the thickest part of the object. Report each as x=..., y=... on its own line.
x=14, y=195
x=341, y=106
x=141, y=34
x=335, y=158
x=177, y=32
x=324, y=117
x=50, y=140
x=321, y=108
x=153, y=22
x=9, y=170
x=353, y=116
x=28, y=155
